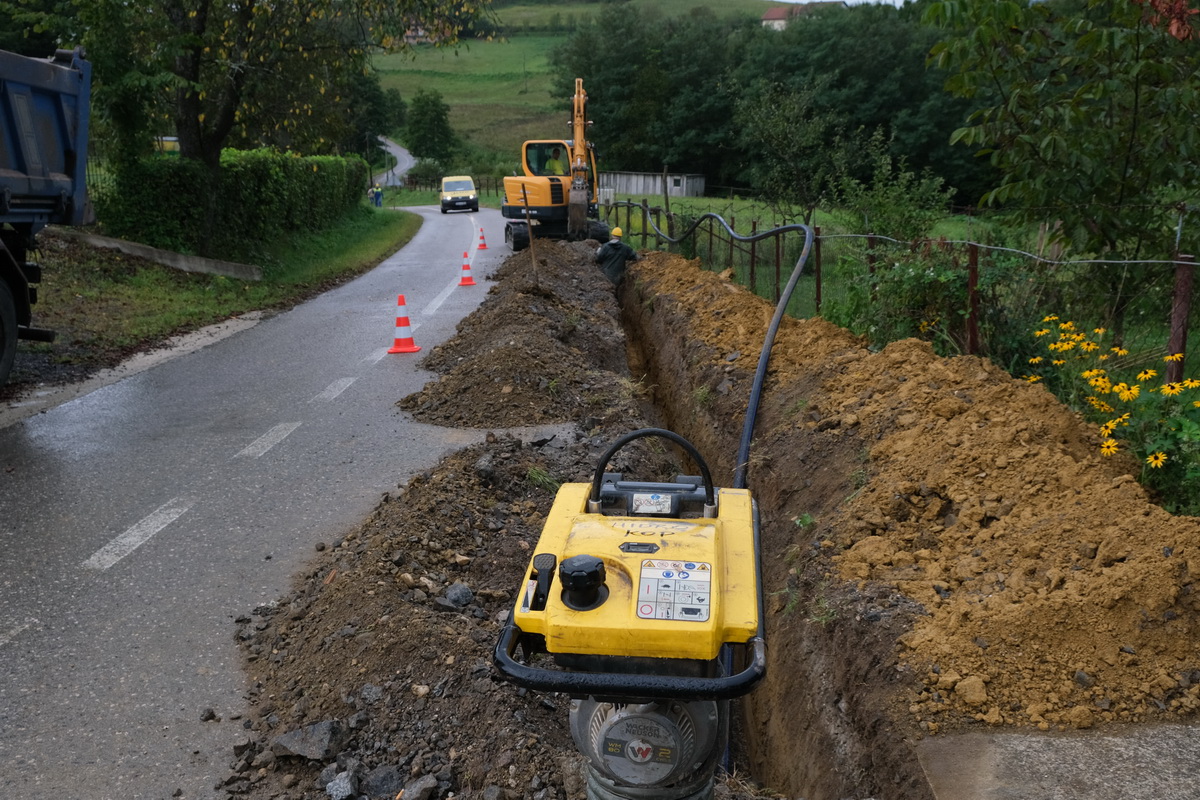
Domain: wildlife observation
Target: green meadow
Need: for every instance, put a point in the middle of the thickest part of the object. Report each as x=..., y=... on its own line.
x=501, y=92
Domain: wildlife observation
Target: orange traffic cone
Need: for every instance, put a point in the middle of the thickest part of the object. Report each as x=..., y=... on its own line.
x=467, y=280
x=482, y=241
x=404, y=339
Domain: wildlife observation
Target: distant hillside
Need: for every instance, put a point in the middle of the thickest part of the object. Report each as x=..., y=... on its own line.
x=499, y=92
x=526, y=15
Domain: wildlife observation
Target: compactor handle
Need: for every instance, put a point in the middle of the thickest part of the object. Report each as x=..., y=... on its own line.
x=619, y=684
x=710, y=502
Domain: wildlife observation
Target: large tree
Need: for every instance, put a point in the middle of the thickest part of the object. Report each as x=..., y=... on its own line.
x=655, y=101
x=867, y=65
x=250, y=70
x=428, y=133
x=1088, y=111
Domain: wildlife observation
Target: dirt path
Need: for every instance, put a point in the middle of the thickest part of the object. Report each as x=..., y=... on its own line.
x=943, y=548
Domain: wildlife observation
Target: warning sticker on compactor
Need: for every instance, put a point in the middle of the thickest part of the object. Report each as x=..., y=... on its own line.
x=674, y=590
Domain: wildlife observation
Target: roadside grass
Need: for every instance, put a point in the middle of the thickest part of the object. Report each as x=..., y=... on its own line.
x=105, y=304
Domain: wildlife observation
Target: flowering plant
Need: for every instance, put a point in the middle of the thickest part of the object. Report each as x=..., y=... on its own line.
x=1158, y=422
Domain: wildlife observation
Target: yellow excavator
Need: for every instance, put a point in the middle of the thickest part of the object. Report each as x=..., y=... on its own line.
x=556, y=197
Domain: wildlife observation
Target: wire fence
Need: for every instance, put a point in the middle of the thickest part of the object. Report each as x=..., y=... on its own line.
x=965, y=297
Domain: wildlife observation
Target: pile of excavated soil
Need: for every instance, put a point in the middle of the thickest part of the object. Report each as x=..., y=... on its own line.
x=547, y=346
x=942, y=547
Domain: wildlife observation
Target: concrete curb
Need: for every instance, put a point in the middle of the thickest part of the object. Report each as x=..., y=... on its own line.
x=208, y=266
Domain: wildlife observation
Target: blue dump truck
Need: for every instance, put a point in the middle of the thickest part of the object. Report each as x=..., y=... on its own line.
x=44, y=105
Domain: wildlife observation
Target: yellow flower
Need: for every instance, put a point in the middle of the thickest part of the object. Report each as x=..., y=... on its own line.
x=1171, y=389
x=1099, y=331
x=1106, y=430
x=1146, y=374
x=1058, y=362
x=1191, y=383
x=1092, y=373
x=1102, y=357
x=1129, y=394
x=1042, y=332
x=1108, y=447
x=1089, y=346
x=1066, y=326
x=1032, y=378
x=1174, y=357
x=1035, y=360
x=1050, y=318
x=1156, y=460
x=1121, y=351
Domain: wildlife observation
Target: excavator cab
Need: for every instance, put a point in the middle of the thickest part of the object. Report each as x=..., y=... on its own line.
x=547, y=158
x=556, y=197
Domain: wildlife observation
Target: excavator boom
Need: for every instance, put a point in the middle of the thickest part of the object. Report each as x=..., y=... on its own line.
x=556, y=197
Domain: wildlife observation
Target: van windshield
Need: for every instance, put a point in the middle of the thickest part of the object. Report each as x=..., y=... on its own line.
x=458, y=186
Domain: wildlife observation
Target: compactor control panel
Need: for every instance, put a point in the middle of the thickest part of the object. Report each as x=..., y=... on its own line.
x=642, y=585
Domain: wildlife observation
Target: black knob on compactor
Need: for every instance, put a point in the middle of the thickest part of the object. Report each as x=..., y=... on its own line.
x=582, y=579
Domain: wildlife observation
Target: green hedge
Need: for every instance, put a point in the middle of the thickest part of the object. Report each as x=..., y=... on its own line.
x=260, y=196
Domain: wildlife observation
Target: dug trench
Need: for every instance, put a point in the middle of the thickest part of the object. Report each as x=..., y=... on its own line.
x=943, y=550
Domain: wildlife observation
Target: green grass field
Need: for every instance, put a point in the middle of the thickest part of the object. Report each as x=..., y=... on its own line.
x=566, y=14
x=500, y=93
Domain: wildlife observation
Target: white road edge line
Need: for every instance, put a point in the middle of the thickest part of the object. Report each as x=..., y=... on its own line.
x=7, y=636
x=334, y=389
x=139, y=533
x=268, y=440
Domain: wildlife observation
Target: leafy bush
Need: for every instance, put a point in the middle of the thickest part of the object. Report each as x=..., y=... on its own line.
x=259, y=196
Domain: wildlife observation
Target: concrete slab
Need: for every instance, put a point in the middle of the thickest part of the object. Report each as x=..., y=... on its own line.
x=1152, y=762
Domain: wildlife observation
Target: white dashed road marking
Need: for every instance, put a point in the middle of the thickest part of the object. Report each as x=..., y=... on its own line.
x=334, y=389
x=139, y=534
x=268, y=440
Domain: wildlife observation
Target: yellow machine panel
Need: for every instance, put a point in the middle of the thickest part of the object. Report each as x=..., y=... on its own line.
x=673, y=588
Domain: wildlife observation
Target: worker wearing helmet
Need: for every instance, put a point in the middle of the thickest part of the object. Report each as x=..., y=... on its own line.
x=613, y=255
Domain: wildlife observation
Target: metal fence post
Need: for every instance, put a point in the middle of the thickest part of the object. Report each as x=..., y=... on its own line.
x=732, y=227
x=753, y=256
x=778, y=261
x=817, y=268
x=645, y=221
x=972, y=299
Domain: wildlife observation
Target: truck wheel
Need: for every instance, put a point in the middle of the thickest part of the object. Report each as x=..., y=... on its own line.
x=8, y=331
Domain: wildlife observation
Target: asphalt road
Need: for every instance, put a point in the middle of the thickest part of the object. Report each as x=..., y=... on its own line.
x=138, y=520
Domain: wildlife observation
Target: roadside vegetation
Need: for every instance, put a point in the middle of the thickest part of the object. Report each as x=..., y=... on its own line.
x=106, y=305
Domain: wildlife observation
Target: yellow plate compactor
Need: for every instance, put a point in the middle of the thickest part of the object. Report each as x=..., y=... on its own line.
x=643, y=602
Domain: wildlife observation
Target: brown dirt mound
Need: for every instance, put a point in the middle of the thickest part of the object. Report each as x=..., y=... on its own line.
x=545, y=347
x=1056, y=593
